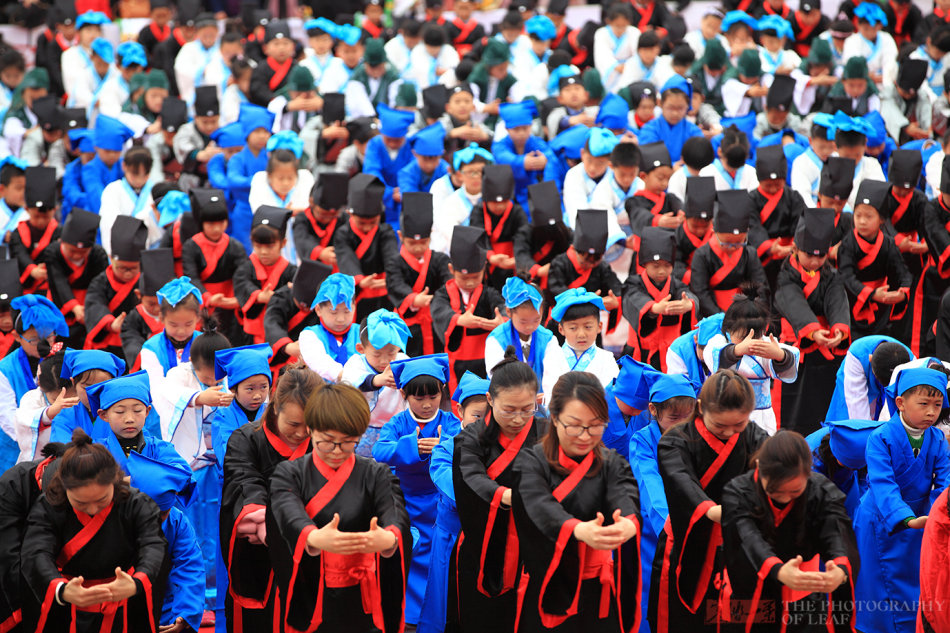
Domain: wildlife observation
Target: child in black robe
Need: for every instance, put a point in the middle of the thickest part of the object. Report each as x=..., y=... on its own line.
x=652, y=205
x=272, y=73
x=501, y=218
x=38, y=231
x=315, y=231
x=546, y=237
x=696, y=228
x=834, y=189
x=145, y=321
x=289, y=312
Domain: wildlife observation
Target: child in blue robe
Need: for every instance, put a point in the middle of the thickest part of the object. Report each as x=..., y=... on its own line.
x=74, y=196
x=672, y=127
x=470, y=404
x=387, y=154
x=427, y=166
x=528, y=155
x=108, y=137
x=257, y=124
x=326, y=346
x=230, y=138
x=863, y=375
x=179, y=303
x=908, y=467
x=685, y=354
x=627, y=400
x=838, y=451
x=406, y=443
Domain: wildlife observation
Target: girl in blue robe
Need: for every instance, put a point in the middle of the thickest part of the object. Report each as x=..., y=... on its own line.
x=627, y=400
x=84, y=368
x=405, y=443
x=859, y=384
x=672, y=127
x=179, y=303
x=257, y=123
x=908, y=468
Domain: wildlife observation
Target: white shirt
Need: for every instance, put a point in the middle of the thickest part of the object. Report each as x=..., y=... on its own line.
x=610, y=52
x=181, y=420
x=231, y=104
x=553, y=363
x=882, y=59
x=603, y=364
x=298, y=198
x=398, y=53
x=746, y=177
x=734, y=98
x=116, y=201
x=335, y=76
x=422, y=67
x=31, y=434
x=932, y=171
x=114, y=94
x=316, y=64
x=677, y=183
x=14, y=131
x=579, y=191
x=197, y=66
x=315, y=355
x=456, y=210
x=868, y=169
x=385, y=402
x=80, y=79
x=441, y=189
x=806, y=177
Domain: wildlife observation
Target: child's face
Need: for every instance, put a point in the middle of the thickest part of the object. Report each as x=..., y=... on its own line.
x=15, y=192
x=161, y=15
x=510, y=33
x=472, y=177
x=659, y=271
x=919, y=410
x=776, y=117
x=126, y=417
x=125, y=271
x=214, y=231
x=321, y=44
x=460, y=105
x=618, y=25
x=625, y=175
x=424, y=407
x=180, y=324
x=867, y=221
x=648, y=54
x=378, y=359
x=88, y=33
x=257, y=139
x=698, y=226
x=206, y=124
x=150, y=303
x=252, y=393
x=282, y=178
x=291, y=425
x=393, y=142
x=739, y=38
x=772, y=43
x=108, y=156
x=810, y=262
x=11, y=76
x=280, y=48
x=474, y=411
x=137, y=176
x=670, y=417
x=268, y=253
x=337, y=319
x=74, y=253
x=100, y=65
x=39, y=218
x=868, y=31
x=204, y=373
x=822, y=147
x=589, y=261
x=524, y=318
x=785, y=491
x=365, y=225
x=520, y=134
x=427, y=164
x=594, y=166
x=6, y=320
x=573, y=96
x=350, y=55
x=674, y=107
x=497, y=208
x=731, y=241
x=323, y=216
x=374, y=13
x=68, y=30
x=854, y=88
x=646, y=108
x=771, y=186
x=416, y=247
x=207, y=35
x=30, y=340
x=710, y=26
x=854, y=152
x=581, y=333
x=464, y=9
x=828, y=202
x=657, y=179
x=467, y=282
x=88, y=379
x=499, y=71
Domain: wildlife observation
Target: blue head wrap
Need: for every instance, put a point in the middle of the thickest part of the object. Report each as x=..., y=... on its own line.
x=848, y=440
x=671, y=386
x=286, y=139
x=105, y=394
x=336, y=289
x=240, y=363
x=77, y=361
x=632, y=385
x=678, y=82
x=601, y=142
x=517, y=114
x=573, y=297
x=132, y=53
x=172, y=206
x=613, y=113
x=876, y=123
x=103, y=48
x=348, y=34
x=19, y=163
x=429, y=141
x=708, y=328
x=110, y=134
x=517, y=291
x=175, y=290
x=734, y=17
x=908, y=378
x=91, y=18
x=230, y=135
x=252, y=116
x=394, y=123
x=165, y=483
x=385, y=327
x=466, y=155
x=435, y=365
x=852, y=124
x=569, y=142
x=39, y=312
x=470, y=385
x=82, y=139
x=871, y=12
x=541, y=27
x=327, y=26
x=827, y=121
x=778, y=24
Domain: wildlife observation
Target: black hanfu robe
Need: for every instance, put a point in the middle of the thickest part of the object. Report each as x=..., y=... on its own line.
x=687, y=569
x=485, y=566
x=163, y=57
x=283, y=323
x=906, y=222
x=311, y=237
x=570, y=585
x=267, y=78
x=686, y=244
x=407, y=277
x=809, y=302
x=361, y=255
x=645, y=208
x=249, y=280
x=501, y=232
x=537, y=246
x=358, y=593
x=717, y=273
x=175, y=240
x=937, y=276
x=759, y=537
x=27, y=244
x=106, y=300
x=254, y=452
x=465, y=346
x=138, y=327
x=211, y=267
x=61, y=543
x=652, y=334
x=774, y=223
x=68, y=284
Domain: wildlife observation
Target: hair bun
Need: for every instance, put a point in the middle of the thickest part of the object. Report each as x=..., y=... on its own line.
x=80, y=438
x=209, y=324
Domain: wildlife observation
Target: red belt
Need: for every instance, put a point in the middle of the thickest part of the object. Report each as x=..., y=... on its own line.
x=599, y=564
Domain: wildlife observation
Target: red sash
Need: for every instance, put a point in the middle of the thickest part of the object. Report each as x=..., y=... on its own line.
x=282, y=448
x=160, y=33
x=324, y=235
x=90, y=527
x=903, y=203
x=280, y=72
x=423, y=316
x=176, y=246
x=471, y=345
x=723, y=451
x=62, y=42
x=23, y=228
x=122, y=290
x=372, y=28
x=79, y=294
x=658, y=200
x=266, y=276
x=646, y=13
x=869, y=255
x=770, y=203
x=176, y=33
x=494, y=232
x=662, y=335
x=465, y=30
x=583, y=275
x=696, y=241
x=366, y=239
x=212, y=251
x=900, y=15
x=729, y=262
x=580, y=52
x=94, y=337
x=767, y=8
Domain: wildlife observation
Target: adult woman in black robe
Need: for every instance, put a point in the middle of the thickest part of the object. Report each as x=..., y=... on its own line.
x=254, y=451
x=485, y=564
x=696, y=460
x=93, y=553
x=343, y=520
x=576, y=507
x=778, y=521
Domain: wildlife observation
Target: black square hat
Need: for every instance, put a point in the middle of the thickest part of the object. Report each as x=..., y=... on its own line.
x=188, y=11
x=700, y=197
x=733, y=212
x=329, y=191
x=945, y=175
x=334, y=107
x=158, y=268
x=310, y=274
x=544, y=200
x=653, y=155
x=41, y=188
x=467, y=250
x=208, y=205
x=187, y=226
x=206, y=101
x=10, y=287
x=274, y=217
x=905, y=168
x=434, y=99
x=590, y=232
x=80, y=228
x=873, y=193
x=174, y=114
x=815, y=230
x=770, y=163
x=416, y=215
x=365, y=195
x=76, y=118
x=656, y=245
x=129, y=236
x=276, y=29
x=362, y=128
x=498, y=183
x=780, y=93
x=49, y=114
x=911, y=74
x=837, y=178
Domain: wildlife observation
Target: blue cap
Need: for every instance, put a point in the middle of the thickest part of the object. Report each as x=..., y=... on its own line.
x=679, y=82
x=570, y=142
x=435, y=365
x=517, y=291
x=103, y=48
x=467, y=154
x=175, y=290
x=672, y=386
x=91, y=18
x=848, y=440
x=40, y=313
x=110, y=134
x=573, y=297
x=253, y=116
x=871, y=12
x=348, y=34
x=82, y=138
x=105, y=394
x=776, y=23
x=708, y=328
x=286, y=139
x=385, y=327
x=19, y=163
x=561, y=72
x=601, y=142
x=165, y=483
x=847, y=123
x=734, y=17
x=240, y=363
x=541, y=27
x=517, y=114
x=336, y=289
x=470, y=385
x=231, y=135
x=632, y=385
x=327, y=26
x=908, y=378
x=827, y=121
x=394, y=123
x=613, y=113
x=429, y=141
x=132, y=53
x=172, y=206
x=876, y=123
x=76, y=361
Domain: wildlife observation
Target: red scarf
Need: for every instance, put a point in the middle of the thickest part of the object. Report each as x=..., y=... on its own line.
x=280, y=72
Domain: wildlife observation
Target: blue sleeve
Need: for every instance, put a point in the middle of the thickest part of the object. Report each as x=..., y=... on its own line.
x=398, y=443
x=235, y=173
x=652, y=494
x=440, y=466
x=65, y=423
x=153, y=424
x=408, y=178
x=941, y=464
x=225, y=423
x=554, y=171
x=92, y=187
x=185, y=593
x=218, y=172
x=617, y=435
x=883, y=482
x=163, y=451
x=371, y=162
x=648, y=134
x=505, y=155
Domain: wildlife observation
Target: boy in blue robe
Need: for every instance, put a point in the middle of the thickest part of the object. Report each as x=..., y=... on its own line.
x=528, y=155
x=108, y=138
x=257, y=124
x=672, y=127
x=908, y=467
x=406, y=443
x=231, y=140
x=387, y=154
x=84, y=368
x=628, y=398
x=863, y=375
x=566, y=149
x=838, y=451
x=428, y=147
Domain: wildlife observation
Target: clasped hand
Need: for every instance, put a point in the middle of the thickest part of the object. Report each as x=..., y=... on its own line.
x=598, y=536
x=122, y=588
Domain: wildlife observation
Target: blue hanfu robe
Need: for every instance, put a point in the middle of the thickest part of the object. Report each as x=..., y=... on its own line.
x=240, y=170
x=185, y=591
x=380, y=163
x=94, y=176
x=860, y=351
x=153, y=448
x=165, y=351
x=684, y=347
x=853, y=483
x=506, y=335
x=653, y=506
x=411, y=177
x=340, y=352
x=619, y=431
x=398, y=446
x=658, y=130
x=74, y=196
x=900, y=486
x=505, y=154
x=16, y=372
x=218, y=176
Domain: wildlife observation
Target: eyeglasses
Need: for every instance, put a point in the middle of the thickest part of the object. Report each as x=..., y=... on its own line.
x=732, y=245
x=517, y=413
x=576, y=430
x=326, y=446
x=126, y=270
x=474, y=173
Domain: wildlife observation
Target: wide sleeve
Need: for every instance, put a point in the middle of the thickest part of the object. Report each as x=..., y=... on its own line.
x=750, y=558
x=192, y=263
x=398, y=443
x=99, y=317
x=440, y=466
x=882, y=480
x=649, y=482
x=186, y=578
x=315, y=355
x=346, y=259
x=41, y=544
x=287, y=504
x=699, y=281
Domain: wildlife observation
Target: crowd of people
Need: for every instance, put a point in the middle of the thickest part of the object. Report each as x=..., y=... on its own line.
x=406, y=320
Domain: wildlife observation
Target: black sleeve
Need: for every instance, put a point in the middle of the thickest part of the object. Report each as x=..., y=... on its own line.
x=260, y=92
x=192, y=263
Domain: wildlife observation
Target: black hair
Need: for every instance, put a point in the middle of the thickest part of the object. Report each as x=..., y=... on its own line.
x=734, y=147
x=558, y=58
x=264, y=235
x=512, y=20
x=465, y=67
x=475, y=398
x=676, y=404
x=673, y=91
x=927, y=391
x=818, y=131
x=727, y=390
x=138, y=158
x=82, y=463
x=511, y=373
x=849, y=138
x=50, y=367
x=580, y=311
x=11, y=58
x=433, y=35
x=684, y=55
x=648, y=39
x=230, y=37
x=749, y=311
x=411, y=27
x=625, y=155
x=885, y=358
x=190, y=302
x=423, y=385
x=639, y=95
x=782, y=457
x=208, y=342
x=617, y=10
x=698, y=152
x=240, y=65
x=281, y=156
x=9, y=172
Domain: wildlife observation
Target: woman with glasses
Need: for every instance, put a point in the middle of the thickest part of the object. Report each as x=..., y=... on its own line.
x=342, y=526
x=577, y=511
x=485, y=566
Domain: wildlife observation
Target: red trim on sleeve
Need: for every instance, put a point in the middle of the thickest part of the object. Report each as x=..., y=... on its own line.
x=706, y=573
x=243, y=601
